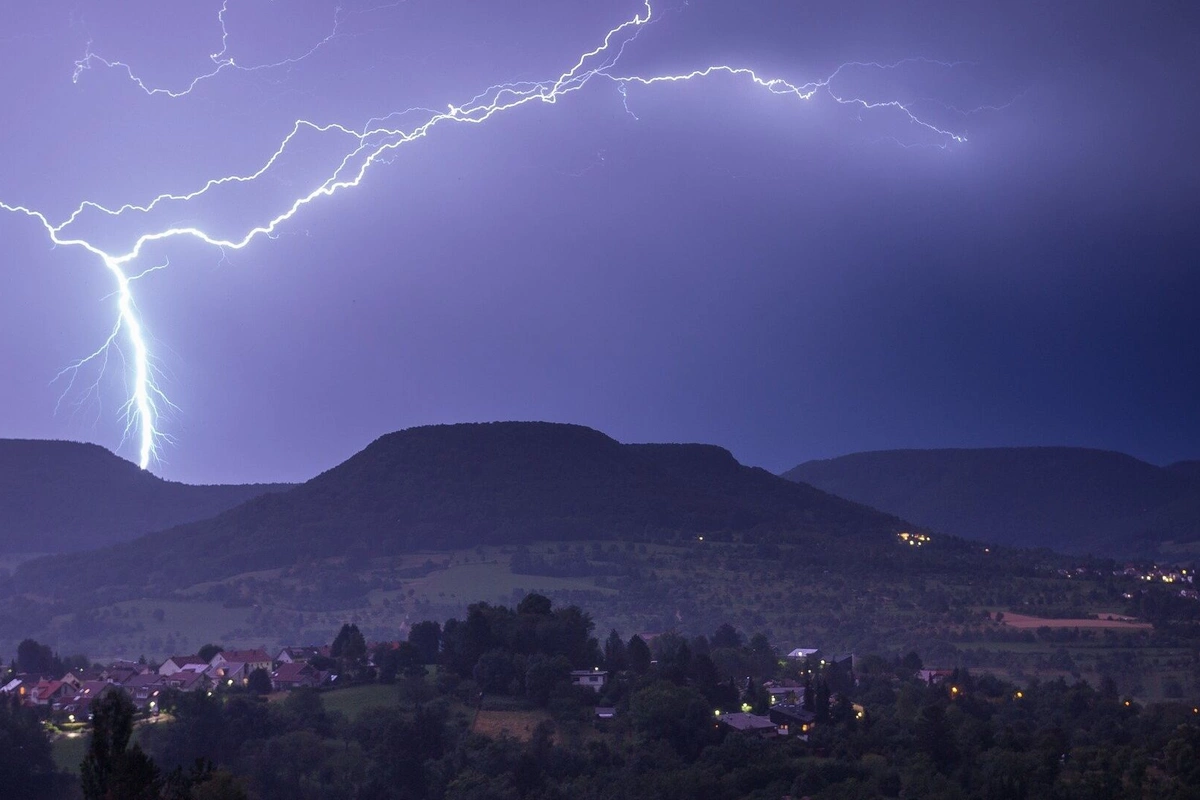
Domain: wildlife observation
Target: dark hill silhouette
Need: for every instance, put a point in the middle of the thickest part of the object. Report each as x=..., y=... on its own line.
x=1190, y=469
x=64, y=496
x=1069, y=499
x=454, y=486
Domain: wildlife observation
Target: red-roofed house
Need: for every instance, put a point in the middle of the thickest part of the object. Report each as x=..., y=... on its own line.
x=48, y=692
x=296, y=675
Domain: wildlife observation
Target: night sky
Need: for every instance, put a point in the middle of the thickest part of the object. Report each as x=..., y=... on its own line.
x=790, y=279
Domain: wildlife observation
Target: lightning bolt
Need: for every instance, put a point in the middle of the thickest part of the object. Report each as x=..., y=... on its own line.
x=366, y=147
x=221, y=59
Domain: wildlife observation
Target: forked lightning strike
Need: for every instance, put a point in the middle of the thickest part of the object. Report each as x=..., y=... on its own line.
x=366, y=147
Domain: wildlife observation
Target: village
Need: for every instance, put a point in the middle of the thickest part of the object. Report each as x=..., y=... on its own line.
x=68, y=698
x=782, y=707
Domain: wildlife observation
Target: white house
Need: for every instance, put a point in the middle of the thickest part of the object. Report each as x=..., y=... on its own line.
x=593, y=679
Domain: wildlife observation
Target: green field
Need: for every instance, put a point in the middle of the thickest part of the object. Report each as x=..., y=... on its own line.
x=355, y=700
x=69, y=752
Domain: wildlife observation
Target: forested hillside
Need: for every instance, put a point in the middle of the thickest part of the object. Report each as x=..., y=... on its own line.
x=65, y=496
x=443, y=487
x=1068, y=499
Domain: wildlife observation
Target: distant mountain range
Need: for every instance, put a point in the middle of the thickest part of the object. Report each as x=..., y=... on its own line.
x=66, y=496
x=1068, y=499
x=458, y=486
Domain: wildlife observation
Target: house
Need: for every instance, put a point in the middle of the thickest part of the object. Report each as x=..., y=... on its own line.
x=297, y=675
x=76, y=677
x=78, y=703
x=15, y=687
x=252, y=659
x=144, y=689
x=750, y=724
x=792, y=719
x=784, y=693
x=176, y=663
x=801, y=653
x=122, y=671
x=48, y=692
x=593, y=679
x=188, y=680
x=605, y=712
x=292, y=655
x=231, y=673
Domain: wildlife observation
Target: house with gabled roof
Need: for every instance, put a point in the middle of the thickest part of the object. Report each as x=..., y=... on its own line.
x=230, y=673
x=188, y=680
x=253, y=659
x=144, y=689
x=297, y=675
x=176, y=663
x=16, y=688
x=291, y=655
x=48, y=692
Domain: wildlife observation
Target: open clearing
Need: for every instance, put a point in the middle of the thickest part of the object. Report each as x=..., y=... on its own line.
x=517, y=724
x=1025, y=622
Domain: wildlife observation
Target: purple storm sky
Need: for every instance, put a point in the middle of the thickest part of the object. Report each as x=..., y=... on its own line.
x=715, y=263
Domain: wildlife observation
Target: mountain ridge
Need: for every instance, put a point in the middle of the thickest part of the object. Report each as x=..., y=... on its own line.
x=1068, y=498
x=63, y=496
x=441, y=487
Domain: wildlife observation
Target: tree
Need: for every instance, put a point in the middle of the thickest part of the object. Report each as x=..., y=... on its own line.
x=674, y=656
x=427, y=636
x=349, y=644
x=259, y=681
x=615, y=657
x=36, y=658
x=220, y=786
x=26, y=764
x=727, y=636
x=639, y=655
x=675, y=714
x=209, y=651
x=112, y=770
x=534, y=604
x=543, y=674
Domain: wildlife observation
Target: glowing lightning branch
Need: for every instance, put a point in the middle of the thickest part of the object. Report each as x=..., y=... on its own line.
x=221, y=59
x=373, y=144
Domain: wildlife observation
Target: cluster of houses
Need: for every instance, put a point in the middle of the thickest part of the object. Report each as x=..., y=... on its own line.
x=786, y=716
x=789, y=712
x=70, y=696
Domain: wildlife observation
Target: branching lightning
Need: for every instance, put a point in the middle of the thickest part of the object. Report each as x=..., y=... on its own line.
x=366, y=147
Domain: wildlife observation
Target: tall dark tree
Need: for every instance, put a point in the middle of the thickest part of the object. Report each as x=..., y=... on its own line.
x=616, y=658
x=726, y=636
x=26, y=764
x=427, y=636
x=349, y=644
x=112, y=770
x=38, y=659
x=639, y=655
x=259, y=681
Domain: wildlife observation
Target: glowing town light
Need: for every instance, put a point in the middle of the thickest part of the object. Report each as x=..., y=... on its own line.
x=368, y=147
